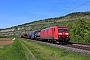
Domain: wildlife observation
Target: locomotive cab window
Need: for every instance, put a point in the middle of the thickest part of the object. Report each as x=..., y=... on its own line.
x=65, y=29
x=62, y=29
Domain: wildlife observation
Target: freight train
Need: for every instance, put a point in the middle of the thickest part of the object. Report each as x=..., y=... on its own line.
x=55, y=34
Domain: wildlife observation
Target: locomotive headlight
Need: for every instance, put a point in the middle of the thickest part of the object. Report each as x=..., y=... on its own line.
x=66, y=33
x=60, y=33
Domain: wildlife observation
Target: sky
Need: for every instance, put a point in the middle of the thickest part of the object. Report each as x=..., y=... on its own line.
x=17, y=12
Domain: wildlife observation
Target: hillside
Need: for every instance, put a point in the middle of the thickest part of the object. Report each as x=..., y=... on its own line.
x=77, y=21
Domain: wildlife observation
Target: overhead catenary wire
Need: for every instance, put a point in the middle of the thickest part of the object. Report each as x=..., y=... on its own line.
x=55, y=6
x=51, y=8
x=72, y=3
x=69, y=6
x=76, y=7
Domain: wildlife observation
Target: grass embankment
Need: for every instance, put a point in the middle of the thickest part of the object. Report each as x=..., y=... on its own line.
x=27, y=54
x=12, y=52
x=44, y=52
x=35, y=51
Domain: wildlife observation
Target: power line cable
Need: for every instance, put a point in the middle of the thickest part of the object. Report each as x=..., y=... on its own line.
x=71, y=9
x=77, y=7
x=52, y=8
x=72, y=3
x=57, y=4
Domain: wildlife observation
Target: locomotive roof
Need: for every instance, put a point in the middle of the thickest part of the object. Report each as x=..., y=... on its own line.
x=55, y=26
x=61, y=26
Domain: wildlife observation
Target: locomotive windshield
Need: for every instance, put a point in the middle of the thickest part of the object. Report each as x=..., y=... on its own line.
x=62, y=29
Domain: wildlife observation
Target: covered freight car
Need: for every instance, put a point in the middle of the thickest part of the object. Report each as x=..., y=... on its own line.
x=34, y=35
x=31, y=34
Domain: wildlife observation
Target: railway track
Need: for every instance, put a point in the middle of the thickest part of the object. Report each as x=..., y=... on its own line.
x=78, y=48
x=82, y=45
x=28, y=50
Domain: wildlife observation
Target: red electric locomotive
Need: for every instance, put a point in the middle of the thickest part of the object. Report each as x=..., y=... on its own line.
x=55, y=34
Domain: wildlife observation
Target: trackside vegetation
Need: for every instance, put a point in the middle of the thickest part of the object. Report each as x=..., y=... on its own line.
x=27, y=54
x=12, y=52
x=46, y=52
x=17, y=51
x=38, y=54
x=80, y=30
